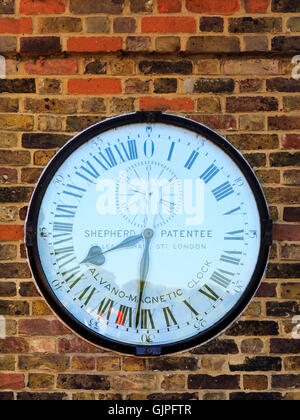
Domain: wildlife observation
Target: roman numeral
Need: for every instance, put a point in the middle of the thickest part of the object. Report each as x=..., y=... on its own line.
x=124, y=314
x=208, y=292
x=65, y=211
x=106, y=161
x=62, y=227
x=191, y=160
x=234, y=211
x=223, y=191
x=210, y=173
x=171, y=151
x=90, y=170
x=146, y=319
x=76, y=279
x=220, y=278
x=169, y=317
x=64, y=253
x=190, y=307
x=88, y=296
x=74, y=194
x=237, y=235
x=230, y=259
x=106, y=306
x=130, y=151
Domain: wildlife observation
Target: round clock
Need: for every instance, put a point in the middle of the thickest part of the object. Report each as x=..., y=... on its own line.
x=148, y=234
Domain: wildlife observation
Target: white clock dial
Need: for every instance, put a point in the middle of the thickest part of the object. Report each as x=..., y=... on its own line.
x=148, y=234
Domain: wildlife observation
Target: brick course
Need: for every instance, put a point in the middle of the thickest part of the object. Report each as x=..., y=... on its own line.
x=226, y=64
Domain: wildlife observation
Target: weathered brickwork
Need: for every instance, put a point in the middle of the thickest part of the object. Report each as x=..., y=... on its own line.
x=226, y=63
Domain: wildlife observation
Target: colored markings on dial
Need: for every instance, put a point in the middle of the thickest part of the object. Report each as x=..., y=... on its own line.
x=123, y=315
x=191, y=308
x=106, y=307
x=210, y=173
x=169, y=317
x=192, y=159
x=220, y=278
x=146, y=319
x=223, y=191
x=208, y=292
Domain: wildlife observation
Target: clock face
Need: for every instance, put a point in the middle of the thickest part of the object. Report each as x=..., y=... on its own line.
x=148, y=234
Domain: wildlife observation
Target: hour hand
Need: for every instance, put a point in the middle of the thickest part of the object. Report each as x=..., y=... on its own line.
x=96, y=255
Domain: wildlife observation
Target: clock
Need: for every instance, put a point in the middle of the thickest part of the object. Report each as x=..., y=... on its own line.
x=148, y=234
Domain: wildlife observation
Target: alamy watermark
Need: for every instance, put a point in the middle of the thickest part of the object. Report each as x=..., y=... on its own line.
x=296, y=69
x=296, y=329
x=2, y=67
x=155, y=196
x=2, y=328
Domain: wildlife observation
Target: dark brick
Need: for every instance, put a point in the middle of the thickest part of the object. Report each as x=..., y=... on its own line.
x=283, y=309
x=17, y=86
x=9, y=105
x=96, y=66
x=28, y=289
x=285, y=346
x=256, y=364
x=291, y=214
x=43, y=141
x=267, y=290
x=174, y=363
x=7, y=7
x=54, y=25
x=283, y=271
x=256, y=396
x=211, y=24
x=285, y=6
x=213, y=44
x=30, y=175
x=210, y=382
x=40, y=45
x=286, y=43
x=88, y=382
x=6, y=396
x=217, y=347
x=140, y=6
x=76, y=124
x=256, y=160
x=213, y=86
x=284, y=122
x=124, y=25
x=15, y=194
x=99, y=6
x=185, y=396
x=41, y=396
x=166, y=67
x=165, y=85
x=250, y=85
x=285, y=381
x=14, y=308
x=285, y=159
x=280, y=84
x=14, y=271
x=251, y=104
x=255, y=25
x=253, y=328
x=8, y=289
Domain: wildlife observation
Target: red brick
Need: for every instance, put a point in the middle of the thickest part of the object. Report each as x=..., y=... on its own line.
x=11, y=381
x=286, y=232
x=56, y=66
x=213, y=7
x=16, y=26
x=11, y=233
x=291, y=141
x=163, y=104
x=41, y=327
x=42, y=7
x=169, y=6
x=168, y=25
x=94, y=44
x=256, y=6
x=94, y=86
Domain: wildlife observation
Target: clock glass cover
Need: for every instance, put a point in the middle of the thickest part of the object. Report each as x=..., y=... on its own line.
x=148, y=234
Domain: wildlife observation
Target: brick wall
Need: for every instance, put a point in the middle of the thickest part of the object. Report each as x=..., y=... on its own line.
x=226, y=63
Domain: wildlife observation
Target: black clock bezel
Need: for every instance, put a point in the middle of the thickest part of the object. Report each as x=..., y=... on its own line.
x=35, y=262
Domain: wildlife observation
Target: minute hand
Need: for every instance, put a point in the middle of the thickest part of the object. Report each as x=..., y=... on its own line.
x=144, y=270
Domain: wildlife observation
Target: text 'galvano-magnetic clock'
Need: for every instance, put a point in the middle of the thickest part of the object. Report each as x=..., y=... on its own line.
x=148, y=234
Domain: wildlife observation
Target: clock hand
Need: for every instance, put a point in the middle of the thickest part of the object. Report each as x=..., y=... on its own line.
x=144, y=270
x=96, y=255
